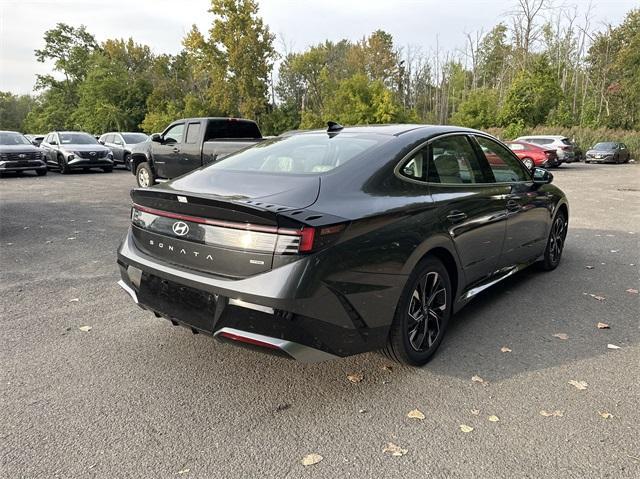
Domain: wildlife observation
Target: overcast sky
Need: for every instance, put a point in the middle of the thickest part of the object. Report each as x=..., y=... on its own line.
x=162, y=24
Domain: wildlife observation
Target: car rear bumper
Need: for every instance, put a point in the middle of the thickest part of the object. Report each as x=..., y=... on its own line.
x=22, y=165
x=292, y=308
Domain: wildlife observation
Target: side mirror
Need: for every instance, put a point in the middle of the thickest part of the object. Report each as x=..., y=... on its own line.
x=156, y=137
x=101, y=142
x=541, y=176
x=53, y=142
x=34, y=142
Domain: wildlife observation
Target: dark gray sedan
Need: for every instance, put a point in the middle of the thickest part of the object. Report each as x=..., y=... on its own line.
x=608, y=152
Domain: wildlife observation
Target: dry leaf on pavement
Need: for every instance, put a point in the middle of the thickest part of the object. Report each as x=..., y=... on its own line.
x=589, y=267
x=183, y=471
x=582, y=385
x=555, y=413
x=477, y=379
x=562, y=336
x=493, y=418
x=416, y=414
x=311, y=459
x=394, y=449
x=85, y=328
x=612, y=346
x=632, y=291
x=475, y=412
x=602, y=326
x=355, y=377
x=505, y=349
x=465, y=428
x=595, y=296
x=605, y=414
x=388, y=368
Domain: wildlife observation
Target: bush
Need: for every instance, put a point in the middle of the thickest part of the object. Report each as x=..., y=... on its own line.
x=584, y=137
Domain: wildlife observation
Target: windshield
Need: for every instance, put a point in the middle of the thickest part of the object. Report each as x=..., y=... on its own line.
x=132, y=138
x=299, y=154
x=605, y=146
x=77, y=139
x=10, y=138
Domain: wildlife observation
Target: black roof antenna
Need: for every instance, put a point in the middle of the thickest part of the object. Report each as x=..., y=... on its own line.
x=333, y=127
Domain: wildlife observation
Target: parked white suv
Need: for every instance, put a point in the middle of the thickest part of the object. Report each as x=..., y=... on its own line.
x=563, y=145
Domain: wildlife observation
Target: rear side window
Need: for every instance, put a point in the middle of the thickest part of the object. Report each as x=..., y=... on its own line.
x=299, y=154
x=453, y=161
x=193, y=133
x=516, y=147
x=505, y=167
x=231, y=129
x=416, y=167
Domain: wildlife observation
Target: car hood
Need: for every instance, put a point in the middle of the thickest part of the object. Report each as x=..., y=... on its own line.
x=83, y=147
x=600, y=152
x=18, y=148
x=295, y=191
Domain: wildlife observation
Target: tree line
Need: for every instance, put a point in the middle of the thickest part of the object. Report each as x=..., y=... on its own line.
x=540, y=66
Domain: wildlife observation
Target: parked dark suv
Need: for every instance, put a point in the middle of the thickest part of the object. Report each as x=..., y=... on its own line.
x=76, y=150
x=331, y=243
x=17, y=153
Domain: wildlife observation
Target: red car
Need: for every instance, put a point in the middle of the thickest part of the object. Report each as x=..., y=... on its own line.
x=534, y=155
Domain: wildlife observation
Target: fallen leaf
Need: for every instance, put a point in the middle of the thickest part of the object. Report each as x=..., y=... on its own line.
x=562, y=336
x=9, y=244
x=589, y=267
x=555, y=413
x=605, y=414
x=582, y=385
x=74, y=300
x=388, y=368
x=311, y=459
x=85, y=328
x=394, y=449
x=71, y=238
x=505, y=349
x=465, y=428
x=595, y=296
x=362, y=411
x=48, y=241
x=355, y=377
x=612, y=346
x=475, y=412
x=416, y=414
x=614, y=250
x=602, y=326
x=493, y=418
x=632, y=291
x=477, y=379
x=183, y=471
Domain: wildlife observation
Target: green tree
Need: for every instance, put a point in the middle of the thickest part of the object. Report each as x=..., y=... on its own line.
x=532, y=95
x=14, y=110
x=478, y=110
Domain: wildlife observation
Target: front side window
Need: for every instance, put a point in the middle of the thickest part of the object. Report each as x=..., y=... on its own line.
x=174, y=134
x=505, y=167
x=453, y=161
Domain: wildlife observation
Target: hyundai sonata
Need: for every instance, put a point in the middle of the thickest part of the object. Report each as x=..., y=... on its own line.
x=325, y=244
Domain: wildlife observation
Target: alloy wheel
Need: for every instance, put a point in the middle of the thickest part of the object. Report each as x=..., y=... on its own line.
x=143, y=177
x=528, y=163
x=426, y=312
x=556, y=239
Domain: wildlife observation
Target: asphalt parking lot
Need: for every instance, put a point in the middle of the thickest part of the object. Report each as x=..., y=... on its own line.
x=136, y=397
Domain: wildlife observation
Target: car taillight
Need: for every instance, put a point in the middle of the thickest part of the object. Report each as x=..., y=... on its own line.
x=307, y=239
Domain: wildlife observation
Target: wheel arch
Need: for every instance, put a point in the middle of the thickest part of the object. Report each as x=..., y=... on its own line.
x=137, y=158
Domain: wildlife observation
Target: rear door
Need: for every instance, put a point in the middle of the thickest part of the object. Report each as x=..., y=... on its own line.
x=527, y=204
x=117, y=147
x=190, y=156
x=471, y=208
x=166, y=155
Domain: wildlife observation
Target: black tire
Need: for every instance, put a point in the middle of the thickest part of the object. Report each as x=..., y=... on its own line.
x=62, y=164
x=405, y=343
x=107, y=169
x=555, y=242
x=144, y=175
x=41, y=172
x=586, y=162
x=127, y=161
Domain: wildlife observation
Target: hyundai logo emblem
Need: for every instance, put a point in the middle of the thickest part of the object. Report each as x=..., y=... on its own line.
x=180, y=228
x=92, y=153
x=22, y=155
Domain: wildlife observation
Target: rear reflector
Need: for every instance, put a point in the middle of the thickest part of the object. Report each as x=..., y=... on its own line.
x=306, y=240
x=244, y=339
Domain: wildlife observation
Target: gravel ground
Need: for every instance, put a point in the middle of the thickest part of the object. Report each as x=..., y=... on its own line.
x=136, y=397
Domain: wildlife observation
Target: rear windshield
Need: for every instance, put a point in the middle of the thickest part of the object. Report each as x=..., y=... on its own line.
x=299, y=154
x=132, y=138
x=231, y=129
x=605, y=146
x=77, y=139
x=566, y=141
x=10, y=138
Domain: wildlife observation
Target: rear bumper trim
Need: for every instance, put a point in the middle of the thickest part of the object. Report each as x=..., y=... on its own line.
x=297, y=351
x=129, y=290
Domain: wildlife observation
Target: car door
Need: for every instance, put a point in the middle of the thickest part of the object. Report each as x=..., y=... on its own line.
x=624, y=155
x=117, y=147
x=470, y=207
x=191, y=151
x=49, y=145
x=166, y=154
x=528, y=205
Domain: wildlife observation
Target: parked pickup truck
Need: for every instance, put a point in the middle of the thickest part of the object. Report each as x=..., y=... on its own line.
x=188, y=144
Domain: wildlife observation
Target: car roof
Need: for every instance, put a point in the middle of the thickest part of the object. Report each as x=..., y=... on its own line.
x=395, y=129
x=557, y=137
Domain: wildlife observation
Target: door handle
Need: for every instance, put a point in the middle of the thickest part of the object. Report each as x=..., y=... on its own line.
x=176, y=149
x=456, y=216
x=513, y=205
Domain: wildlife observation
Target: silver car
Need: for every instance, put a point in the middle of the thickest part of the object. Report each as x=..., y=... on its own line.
x=121, y=143
x=563, y=145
